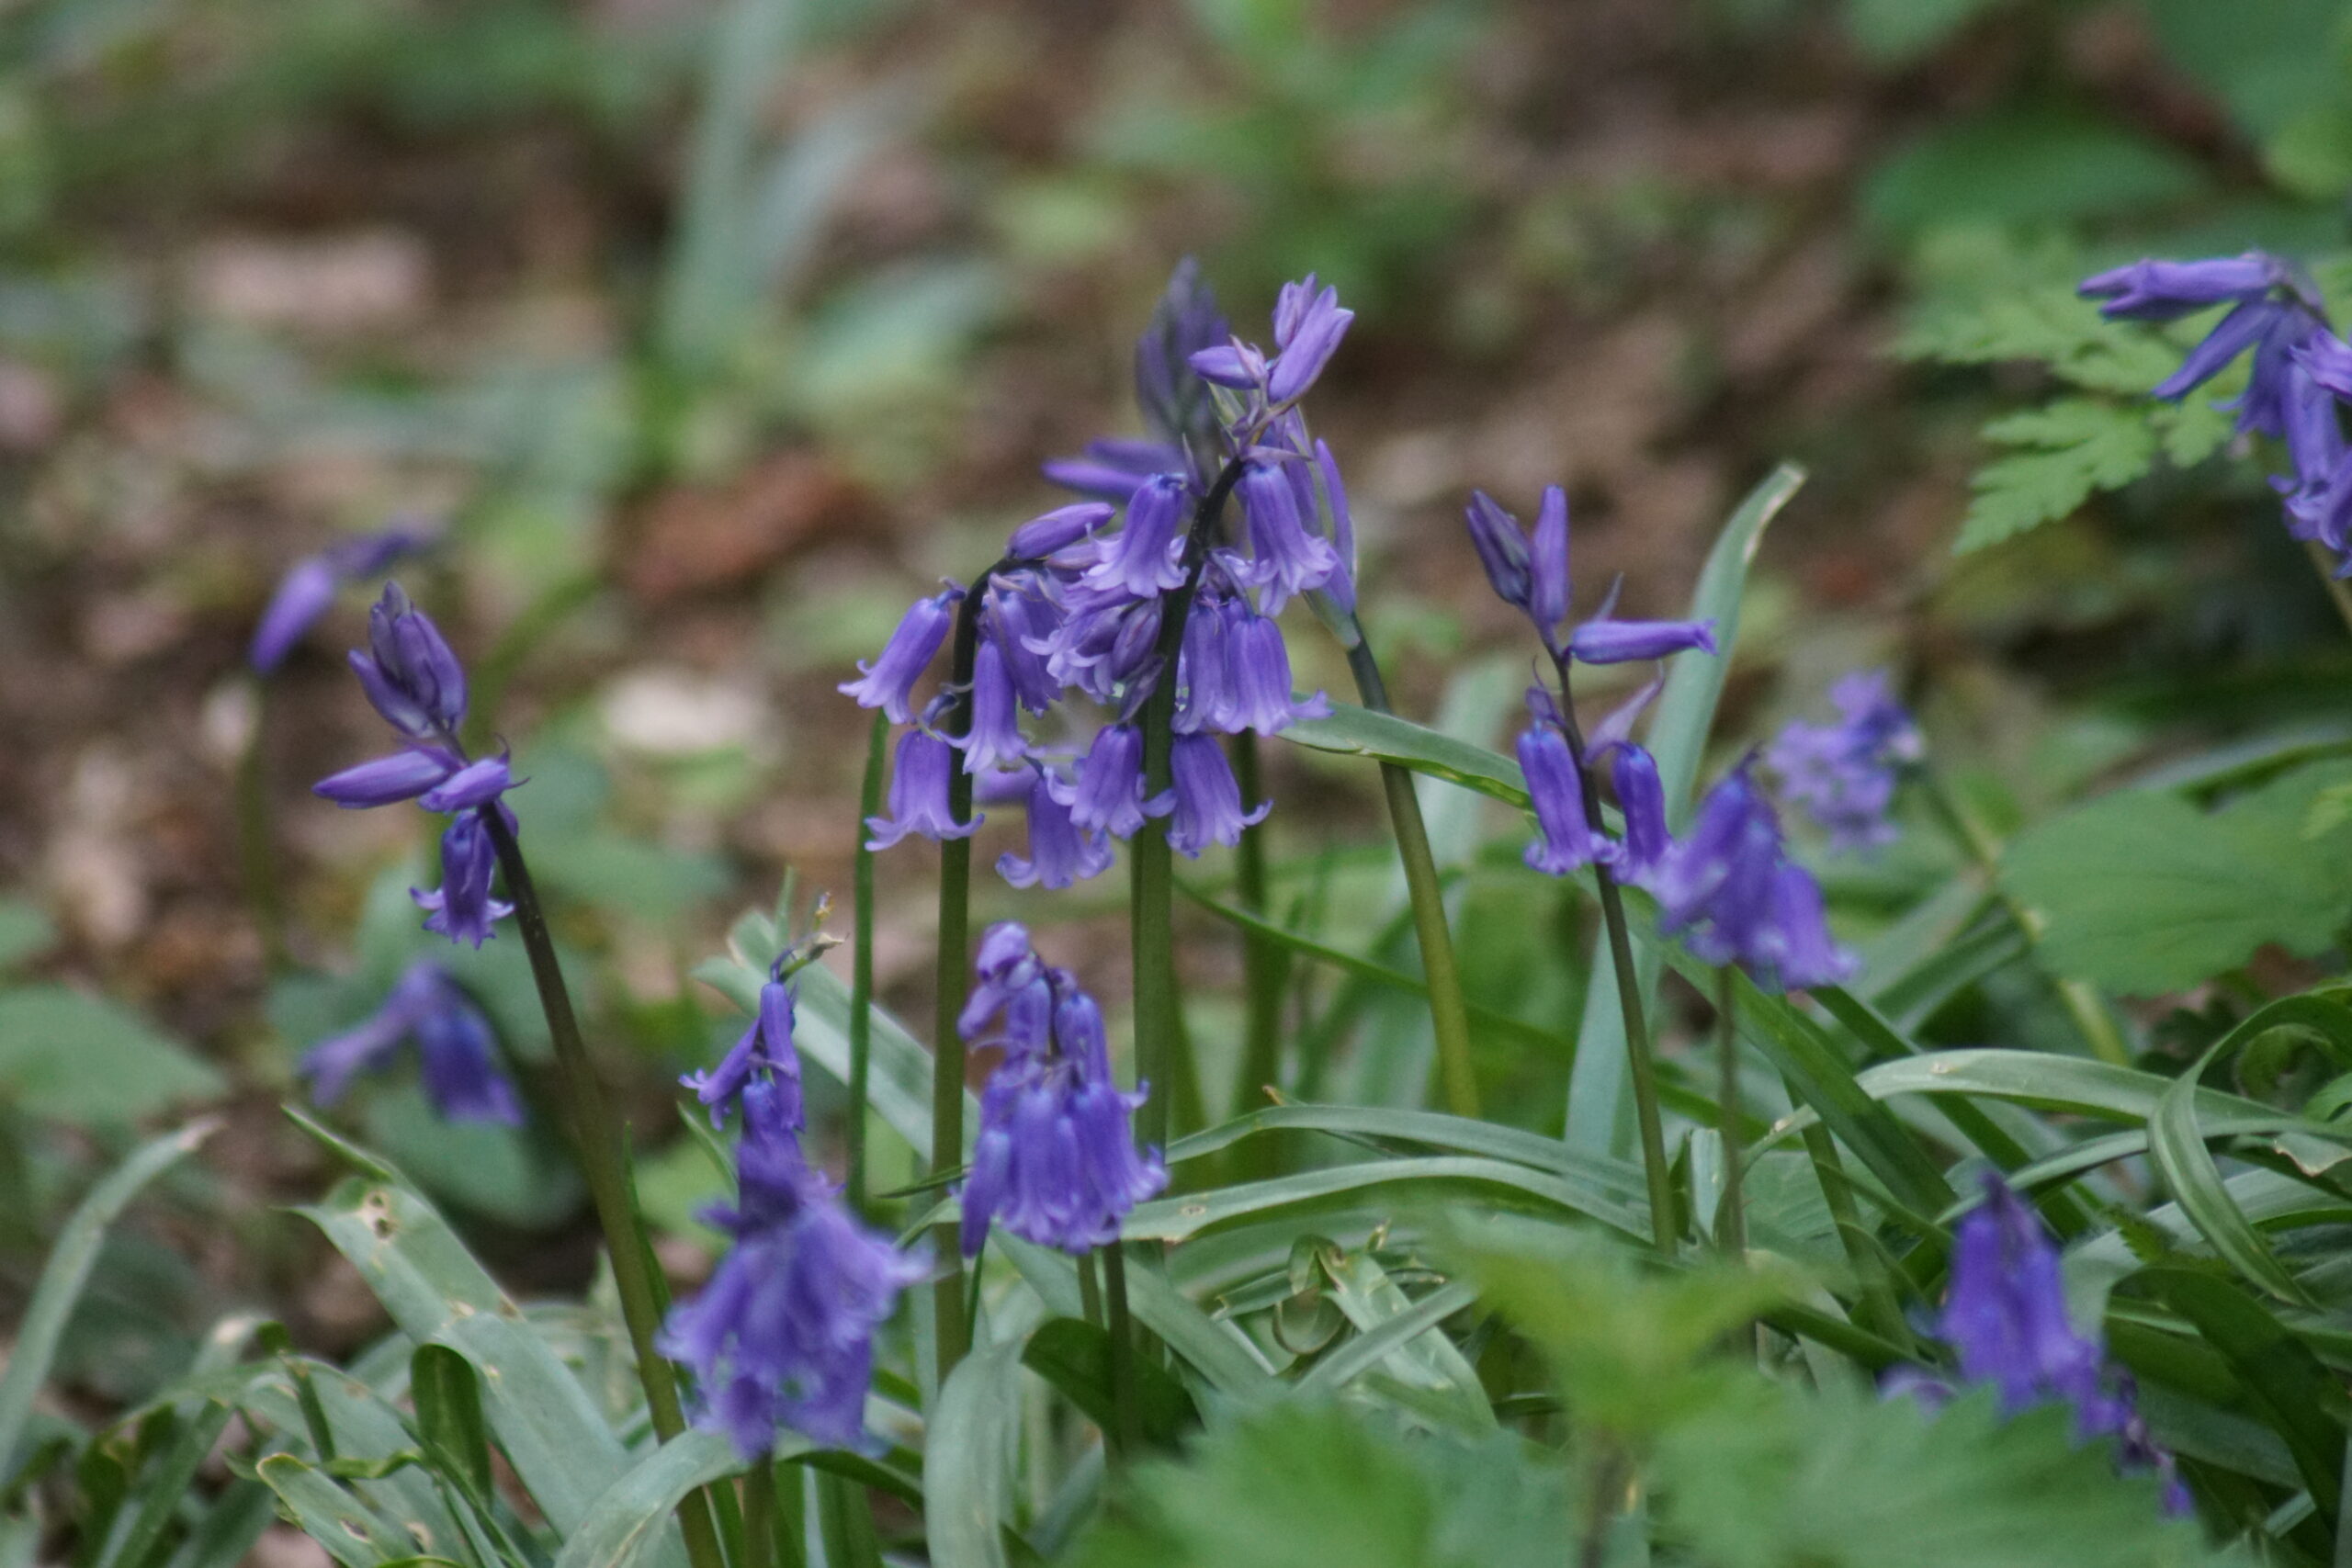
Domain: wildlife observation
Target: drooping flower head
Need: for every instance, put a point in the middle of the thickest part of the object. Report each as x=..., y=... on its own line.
x=310, y=585
x=457, y=1052
x=1844, y=774
x=2005, y=1319
x=917, y=800
x=414, y=680
x=1732, y=892
x=2299, y=369
x=888, y=683
x=1060, y=852
x=1533, y=576
x=1055, y=1162
x=762, y=1054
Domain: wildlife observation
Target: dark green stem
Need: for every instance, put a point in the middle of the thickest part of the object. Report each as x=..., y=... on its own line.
x=1643, y=1067
x=1126, y=1427
x=952, y=1332
x=257, y=858
x=759, y=1515
x=861, y=974
x=1151, y=887
x=1730, y=1219
x=1265, y=970
x=1448, y=1014
x=603, y=1161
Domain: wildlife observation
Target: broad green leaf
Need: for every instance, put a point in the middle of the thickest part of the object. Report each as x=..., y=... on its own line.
x=561, y=1447
x=1359, y=732
x=635, y=1513
x=25, y=932
x=352, y=1533
x=1298, y=1484
x=2021, y=166
x=2061, y=453
x=2269, y=63
x=67, y=1270
x=90, y=1062
x=2144, y=893
x=224, y=1536
x=1599, y=1113
x=1075, y=1357
x=1224, y=1359
x=968, y=1448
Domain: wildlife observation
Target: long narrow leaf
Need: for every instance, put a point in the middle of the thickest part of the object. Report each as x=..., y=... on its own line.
x=2178, y=1149
x=67, y=1270
x=636, y=1511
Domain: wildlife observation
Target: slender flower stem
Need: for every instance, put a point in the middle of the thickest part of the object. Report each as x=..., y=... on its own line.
x=1127, y=1428
x=1449, y=1013
x=2082, y=1003
x=1089, y=1292
x=1642, y=1076
x=1151, y=888
x=257, y=858
x=603, y=1160
x=1265, y=970
x=861, y=974
x=952, y=1330
x=1730, y=1219
x=759, y=1515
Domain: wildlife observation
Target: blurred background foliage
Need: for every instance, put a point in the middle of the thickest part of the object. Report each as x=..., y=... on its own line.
x=709, y=332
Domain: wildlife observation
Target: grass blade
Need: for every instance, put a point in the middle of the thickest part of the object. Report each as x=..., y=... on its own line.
x=635, y=1512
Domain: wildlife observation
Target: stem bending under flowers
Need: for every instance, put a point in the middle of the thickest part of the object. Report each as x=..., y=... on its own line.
x=1643, y=1074
x=1449, y=1013
x=605, y=1162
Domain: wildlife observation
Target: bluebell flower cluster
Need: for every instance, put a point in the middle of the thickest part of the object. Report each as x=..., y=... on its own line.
x=310, y=585
x=1728, y=888
x=2005, y=1317
x=1070, y=629
x=2299, y=371
x=417, y=684
x=457, y=1053
x=783, y=1334
x=1843, y=775
x=1056, y=1161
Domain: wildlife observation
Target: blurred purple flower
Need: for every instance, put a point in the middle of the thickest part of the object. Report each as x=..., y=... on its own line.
x=1843, y=775
x=310, y=585
x=763, y=1052
x=456, y=1050
x=1731, y=888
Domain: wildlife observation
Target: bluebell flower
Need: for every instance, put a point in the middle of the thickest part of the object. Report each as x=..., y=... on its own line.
x=1208, y=799
x=1287, y=559
x=1109, y=798
x=1112, y=468
x=1843, y=775
x=1005, y=967
x=1146, y=558
x=762, y=1053
x=1729, y=890
x=1641, y=797
x=1056, y=1161
x=310, y=585
x=993, y=738
x=2275, y=310
x=1341, y=586
x=1568, y=839
x=1308, y=324
x=1205, y=697
x=1601, y=642
x=1059, y=529
x=1502, y=550
x=463, y=908
x=2005, y=1317
x=1020, y=623
x=2166, y=291
x=783, y=1334
x=1175, y=406
x=1257, y=676
x=1060, y=852
x=917, y=800
x=889, y=683
x=416, y=683
x=456, y=1050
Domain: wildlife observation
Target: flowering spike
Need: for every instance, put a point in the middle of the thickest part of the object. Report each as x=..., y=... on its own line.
x=1730, y=885
x=1175, y=404
x=889, y=683
x=763, y=1052
x=918, y=798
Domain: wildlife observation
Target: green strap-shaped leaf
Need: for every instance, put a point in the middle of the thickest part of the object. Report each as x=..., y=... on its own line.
x=1075, y=1357
x=1426, y=1179
x=559, y=1444
x=967, y=1453
x=1600, y=1114
x=1433, y=1128
x=1216, y=1350
x=447, y=1395
x=1368, y=1350
x=352, y=1533
x=1426, y=1362
x=1355, y=731
x=166, y=1486
x=636, y=1511
x=67, y=1270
